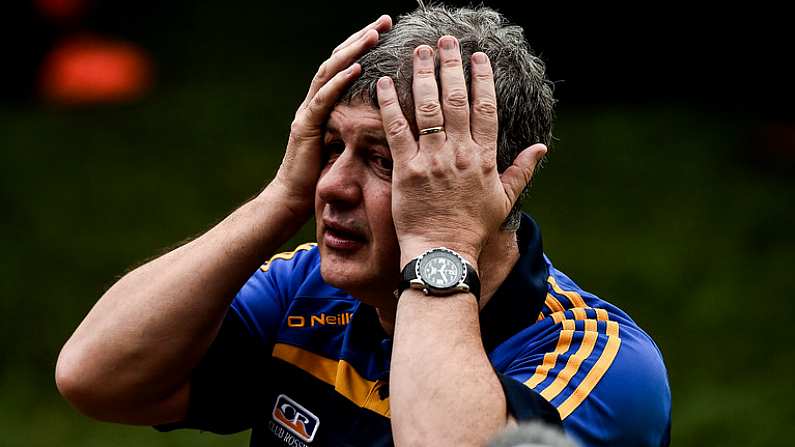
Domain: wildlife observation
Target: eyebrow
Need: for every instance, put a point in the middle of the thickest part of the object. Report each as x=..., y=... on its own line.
x=331, y=129
x=377, y=138
x=369, y=136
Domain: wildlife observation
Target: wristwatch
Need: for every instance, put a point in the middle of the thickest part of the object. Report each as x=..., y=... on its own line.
x=440, y=272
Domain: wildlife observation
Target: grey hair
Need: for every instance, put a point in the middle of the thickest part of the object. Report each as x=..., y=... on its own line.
x=524, y=95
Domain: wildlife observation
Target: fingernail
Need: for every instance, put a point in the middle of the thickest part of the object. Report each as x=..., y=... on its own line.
x=541, y=155
x=424, y=53
x=447, y=42
x=480, y=58
x=385, y=82
x=350, y=69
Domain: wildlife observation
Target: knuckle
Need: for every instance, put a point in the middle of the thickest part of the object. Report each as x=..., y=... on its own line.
x=489, y=164
x=396, y=127
x=457, y=98
x=483, y=76
x=453, y=62
x=322, y=71
x=388, y=101
x=428, y=108
x=462, y=161
x=302, y=133
x=437, y=167
x=486, y=107
x=424, y=73
x=297, y=126
x=315, y=104
x=413, y=172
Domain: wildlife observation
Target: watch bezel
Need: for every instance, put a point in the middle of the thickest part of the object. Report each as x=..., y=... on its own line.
x=429, y=289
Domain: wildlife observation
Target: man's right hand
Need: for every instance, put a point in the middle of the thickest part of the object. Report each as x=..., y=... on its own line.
x=302, y=163
x=132, y=358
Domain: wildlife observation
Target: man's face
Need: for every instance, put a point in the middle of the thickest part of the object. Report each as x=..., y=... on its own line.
x=359, y=250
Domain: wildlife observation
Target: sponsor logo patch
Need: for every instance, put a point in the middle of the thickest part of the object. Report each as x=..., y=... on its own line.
x=295, y=418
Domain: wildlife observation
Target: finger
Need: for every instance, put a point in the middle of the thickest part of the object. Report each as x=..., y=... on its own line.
x=518, y=175
x=455, y=103
x=398, y=133
x=427, y=110
x=483, y=114
x=340, y=60
x=382, y=25
x=319, y=108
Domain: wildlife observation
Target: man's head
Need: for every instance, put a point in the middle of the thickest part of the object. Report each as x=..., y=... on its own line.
x=524, y=95
x=359, y=249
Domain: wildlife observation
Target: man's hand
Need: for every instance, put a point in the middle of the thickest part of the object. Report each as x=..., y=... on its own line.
x=302, y=163
x=445, y=186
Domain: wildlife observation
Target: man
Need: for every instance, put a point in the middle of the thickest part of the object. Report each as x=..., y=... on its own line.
x=426, y=314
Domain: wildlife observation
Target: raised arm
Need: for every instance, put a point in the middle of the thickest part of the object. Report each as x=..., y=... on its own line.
x=131, y=358
x=446, y=191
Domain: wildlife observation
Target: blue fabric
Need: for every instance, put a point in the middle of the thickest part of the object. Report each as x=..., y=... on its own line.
x=549, y=341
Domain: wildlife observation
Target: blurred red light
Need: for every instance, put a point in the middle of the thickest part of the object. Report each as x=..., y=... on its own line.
x=91, y=70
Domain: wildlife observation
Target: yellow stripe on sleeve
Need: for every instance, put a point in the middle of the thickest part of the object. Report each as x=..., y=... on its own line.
x=612, y=329
x=591, y=379
x=550, y=358
x=572, y=366
x=558, y=317
x=574, y=297
x=585, y=350
x=287, y=255
x=612, y=326
x=553, y=304
x=579, y=313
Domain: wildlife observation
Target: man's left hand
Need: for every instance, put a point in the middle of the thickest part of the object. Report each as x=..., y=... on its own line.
x=446, y=190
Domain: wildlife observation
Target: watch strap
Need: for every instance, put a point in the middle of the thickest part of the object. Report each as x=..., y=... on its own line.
x=409, y=273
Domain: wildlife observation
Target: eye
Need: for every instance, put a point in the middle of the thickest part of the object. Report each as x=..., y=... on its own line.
x=381, y=162
x=333, y=150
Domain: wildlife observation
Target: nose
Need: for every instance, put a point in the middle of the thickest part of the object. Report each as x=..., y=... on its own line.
x=339, y=183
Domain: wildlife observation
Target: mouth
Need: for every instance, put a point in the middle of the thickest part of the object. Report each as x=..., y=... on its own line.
x=342, y=237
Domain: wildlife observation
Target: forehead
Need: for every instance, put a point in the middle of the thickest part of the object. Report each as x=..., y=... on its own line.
x=355, y=120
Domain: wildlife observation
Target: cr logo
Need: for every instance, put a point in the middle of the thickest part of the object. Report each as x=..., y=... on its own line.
x=294, y=417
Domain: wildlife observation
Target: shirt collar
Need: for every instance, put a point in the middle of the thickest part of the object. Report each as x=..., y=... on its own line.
x=519, y=299
x=514, y=306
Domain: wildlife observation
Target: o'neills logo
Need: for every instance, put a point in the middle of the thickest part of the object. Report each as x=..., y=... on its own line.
x=316, y=320
x=295, y=418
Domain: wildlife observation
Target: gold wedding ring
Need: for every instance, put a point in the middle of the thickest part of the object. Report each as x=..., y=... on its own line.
x=431, y=130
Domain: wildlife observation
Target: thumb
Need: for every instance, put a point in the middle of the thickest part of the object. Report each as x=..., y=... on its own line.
x=518, y=175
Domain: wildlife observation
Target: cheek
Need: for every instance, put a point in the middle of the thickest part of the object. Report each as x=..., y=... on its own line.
x=380, y=206
x=379, y=211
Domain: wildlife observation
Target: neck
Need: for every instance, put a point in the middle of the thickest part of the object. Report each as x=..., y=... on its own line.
x=498, y=257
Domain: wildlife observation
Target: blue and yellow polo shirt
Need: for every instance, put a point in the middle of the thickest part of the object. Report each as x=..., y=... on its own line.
x=302, y=363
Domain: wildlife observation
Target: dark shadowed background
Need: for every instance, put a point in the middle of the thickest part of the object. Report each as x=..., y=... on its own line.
x=668, y=191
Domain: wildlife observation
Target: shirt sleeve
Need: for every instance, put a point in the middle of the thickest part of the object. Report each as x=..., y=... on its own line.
x=609, y=386
x=525, y=404
x=229, y=384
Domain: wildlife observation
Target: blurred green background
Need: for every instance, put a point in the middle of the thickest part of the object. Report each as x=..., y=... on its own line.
x=668, y=192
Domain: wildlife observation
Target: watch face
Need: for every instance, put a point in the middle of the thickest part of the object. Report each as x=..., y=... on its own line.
x=440, y=269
